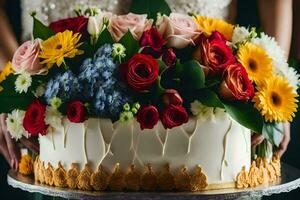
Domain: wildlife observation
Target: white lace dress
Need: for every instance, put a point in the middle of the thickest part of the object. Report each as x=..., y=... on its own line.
x=51, y=10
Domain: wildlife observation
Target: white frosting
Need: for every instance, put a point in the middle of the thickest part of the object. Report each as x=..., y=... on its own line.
x=221, y=146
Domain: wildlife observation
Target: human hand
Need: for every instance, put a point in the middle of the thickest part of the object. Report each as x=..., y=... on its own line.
x=285, y=140
x=257, y=139
x=9, y=148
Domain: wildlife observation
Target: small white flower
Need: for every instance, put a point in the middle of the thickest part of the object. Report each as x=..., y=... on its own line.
x=14, y=122
x=39, y=91
x=240, y=34
x=23, y=82
x=126, y=116
x=55, y=102
x=220, y=113
x=118, y=51
x=201, y=111
x=53, y=117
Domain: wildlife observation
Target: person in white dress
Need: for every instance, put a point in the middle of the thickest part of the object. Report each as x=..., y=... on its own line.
x=51, y=10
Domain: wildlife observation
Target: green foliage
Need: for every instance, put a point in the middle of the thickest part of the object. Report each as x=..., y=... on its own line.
x=131, y=45
x=192, y=76
x=104, y=38
x=208, y=98
x=273, y=132
x=11, y=100
x=150, y=7
x=246, y=115
x=157, y=90
x=40, y=30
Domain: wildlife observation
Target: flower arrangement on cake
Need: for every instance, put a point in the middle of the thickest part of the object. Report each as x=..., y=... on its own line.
x=168, y=69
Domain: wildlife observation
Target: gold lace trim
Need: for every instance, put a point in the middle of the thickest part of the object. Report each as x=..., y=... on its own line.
x=261, y=172
x=117, y=180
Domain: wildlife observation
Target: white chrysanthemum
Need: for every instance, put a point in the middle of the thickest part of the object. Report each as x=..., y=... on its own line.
x=14, y=122
x=291, y=75
x=53, y=117
x=23, y=82
x=273, y=50
x=279, y=61
x=240, y=34
x=201, y=111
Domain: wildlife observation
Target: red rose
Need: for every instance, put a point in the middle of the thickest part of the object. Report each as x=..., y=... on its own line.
x=76, y=112
x=75, y=24
x=172, y=97
x=153, y=39
x=169, y=57
x=173, y=116
x=34, y=120
x=140, y=72
x=214, y=53
x=236, y=84
x=147, y=116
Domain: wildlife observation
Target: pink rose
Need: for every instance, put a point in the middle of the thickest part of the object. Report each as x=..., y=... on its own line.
x=137, y=24
x=178, y=29
x=26, y=58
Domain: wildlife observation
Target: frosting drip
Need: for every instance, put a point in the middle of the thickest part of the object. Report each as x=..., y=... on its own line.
x=199, y=142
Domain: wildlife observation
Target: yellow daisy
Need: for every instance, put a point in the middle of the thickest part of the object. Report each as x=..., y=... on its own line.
x=8, y=70
x=256, y=62
x=276, y=100
x=208, y=25
x=62, y=45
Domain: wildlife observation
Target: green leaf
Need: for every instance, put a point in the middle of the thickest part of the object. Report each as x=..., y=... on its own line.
x=131, y=45
x=209, y=98
x=162, y=66
x=40, y=30
x=10, y=103
x=157, y=90
x=246, y=115
x=150, y=7
x=192, y=76
x=104, y=38
x=273, y=132
x=10, y=99
x=212, y=82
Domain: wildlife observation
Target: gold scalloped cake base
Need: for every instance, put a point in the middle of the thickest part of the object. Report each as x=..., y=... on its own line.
x=149, y=180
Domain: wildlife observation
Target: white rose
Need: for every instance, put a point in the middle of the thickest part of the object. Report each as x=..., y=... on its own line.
x=240, y=34
x=96, y=23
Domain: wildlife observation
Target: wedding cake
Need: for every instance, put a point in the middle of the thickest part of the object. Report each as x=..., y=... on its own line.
x=126, y=102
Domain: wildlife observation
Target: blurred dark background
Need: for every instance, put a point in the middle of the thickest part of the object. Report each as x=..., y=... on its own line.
x=247, y=15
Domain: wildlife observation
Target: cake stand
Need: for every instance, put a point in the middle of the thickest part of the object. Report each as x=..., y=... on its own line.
x=290, y=180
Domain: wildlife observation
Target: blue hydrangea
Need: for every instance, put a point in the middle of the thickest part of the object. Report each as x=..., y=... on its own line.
x=99, y=78
x=64, y=86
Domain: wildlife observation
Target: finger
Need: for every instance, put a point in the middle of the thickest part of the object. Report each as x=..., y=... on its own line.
x=4, y=151
x=256, y=140
x=31, y=144
x=13, y=149
x=283, y=145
